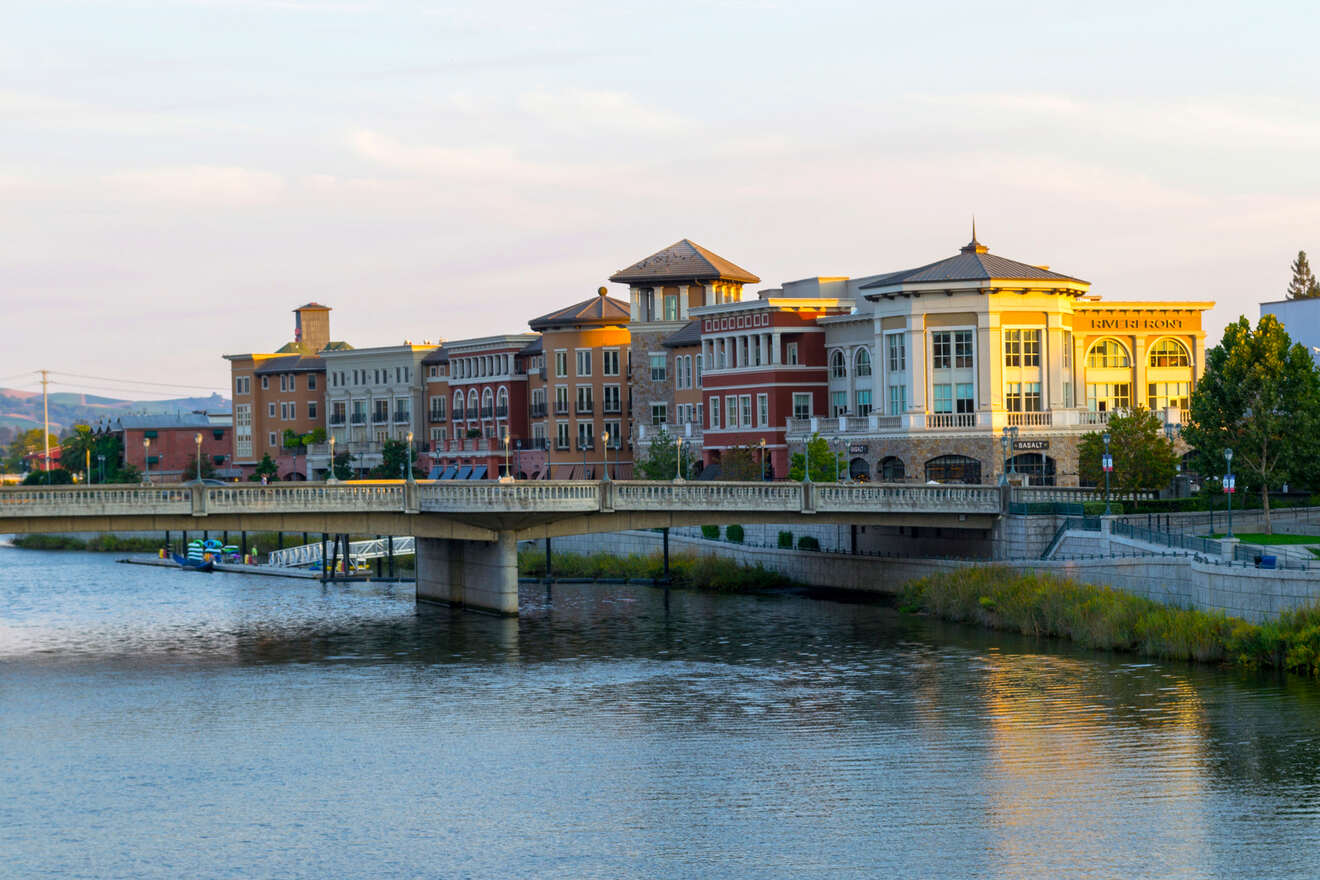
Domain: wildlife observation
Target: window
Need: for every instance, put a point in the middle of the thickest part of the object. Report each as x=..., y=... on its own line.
x=963, y=397
x=243, y=385
x=1013, y=396
x=586, y=437
x=864, y=402
x=714, y=413
x=1107, y=353
x=273, y=439
x=561, y=364
x=897, y=400
x=561, y=435
x=1031, y=348
x=561, y=400
x=659, y=413
x=762, y=410
x=671, y=307
x=801, y=405
x=612, y=400
x=1067, y=393
x=1162, y=394
x=265, y=383
x=293, y=411
x=941, y=350
x=1067, y=351
x=610, y=356
x=1108, y=397
x=659, y=368
x=838, y=366
x=584, y=401
x=615, y=430
x=1022, y=348
x=458, y=405
x=721, y=361
x=745, y=406
x=270, y=410
x=1169, y=353
x=897, y=350
x=962, y=349
x=790, y=356
x=584, y=362
x=243, y=430
x=863, y=362
x=1031, y=397
x=953, y=469
x=943, y=398
x=698, y=371
x=731, y=411
x=402, y=410
x=838, y=403
x=311, y=381
x=284, y=382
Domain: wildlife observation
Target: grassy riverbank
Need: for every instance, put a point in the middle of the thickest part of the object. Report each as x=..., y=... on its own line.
x=685, y=570
x=96, y=543
x=1107, y=619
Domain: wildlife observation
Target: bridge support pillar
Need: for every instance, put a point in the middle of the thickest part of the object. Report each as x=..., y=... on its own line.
x=478, y=575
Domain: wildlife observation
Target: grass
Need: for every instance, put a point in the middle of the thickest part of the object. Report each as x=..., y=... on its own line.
x=1262, y=538
x=685, y=570
x=1110, y=620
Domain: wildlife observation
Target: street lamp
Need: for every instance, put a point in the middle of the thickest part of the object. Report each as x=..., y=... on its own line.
x=762, y=459
x=409, y=475
x=1107, y=462
x=678, y=459
x=197, y=438
x=605, y=450
x=806, y=460
x=1003, y=446
x=508, y=474
x=332, y=478
x=146, y=460
x=1012, y=445
x=1230, y=483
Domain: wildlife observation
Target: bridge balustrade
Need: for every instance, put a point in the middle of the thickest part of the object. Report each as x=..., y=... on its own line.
x=95, y=500
x=295, y=498
x=832, y=498
x=483, y=497
x=707, y=496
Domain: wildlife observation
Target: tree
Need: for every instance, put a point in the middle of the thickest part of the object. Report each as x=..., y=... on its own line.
x=28, y=442
x=1303, y=284
x=394, y=456
x=661, y=462
x=266, y=468
x=343, y=470
x=1260, y=396
x=1143, y=457
x=53, y=477
x=740, y=464
x=826, y=465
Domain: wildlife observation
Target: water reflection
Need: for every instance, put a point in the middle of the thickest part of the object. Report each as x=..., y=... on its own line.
x=607, y=733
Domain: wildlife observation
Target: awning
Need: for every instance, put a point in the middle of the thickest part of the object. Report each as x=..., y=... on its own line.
x=449, y=472
x=478, y=472
x=464, y=472
x=435, y=473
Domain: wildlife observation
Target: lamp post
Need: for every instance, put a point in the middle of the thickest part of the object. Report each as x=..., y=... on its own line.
x=508, y=474
x=197, y=438
x=762, y=459
x=678, y=459
x=409, y=475
x=332, y=478
x=1107, y=462
x=1230, y=483
x=806, y=460
x=1003, y=447
x=146, y=460
x=835, y=448
x=605, y=451
x=1012, y=445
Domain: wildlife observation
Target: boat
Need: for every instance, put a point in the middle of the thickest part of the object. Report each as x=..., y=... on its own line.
x=201, y=555
x=188, y=564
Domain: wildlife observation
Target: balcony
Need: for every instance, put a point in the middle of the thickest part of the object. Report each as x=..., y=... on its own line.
x=437, y=415
x=359, y=418
x=1030, y=419
x=380, y=418
x=611, y=408
x=950, y=421
x=585, y=445
x=501, y=411
x=471, y=413
x=585, y=409
x=402, y=418
x=537, y=443
x=337, y=420
x=561, y=444
x=487, y=412
x=561, y=409
x=538, y=410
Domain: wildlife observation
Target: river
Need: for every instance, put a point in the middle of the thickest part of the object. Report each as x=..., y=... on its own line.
x=157, y=723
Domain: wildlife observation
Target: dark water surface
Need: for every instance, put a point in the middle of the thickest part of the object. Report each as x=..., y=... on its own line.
x=156, y=723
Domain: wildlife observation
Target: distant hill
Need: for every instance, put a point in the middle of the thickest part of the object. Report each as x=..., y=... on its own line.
x=21, y=410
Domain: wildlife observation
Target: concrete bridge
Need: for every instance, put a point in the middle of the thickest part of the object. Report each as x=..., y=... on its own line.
x=467, y=534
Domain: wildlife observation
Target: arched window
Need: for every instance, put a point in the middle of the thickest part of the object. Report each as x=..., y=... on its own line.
x=863, y=362
x=1039, y=468
x=1108, y=353
x=458, y=405
x=472, y=404
x=953, y=469
x=502, y=403
x=1169, y=352
x=838, y=366
x=859, y=469
x=892, y=469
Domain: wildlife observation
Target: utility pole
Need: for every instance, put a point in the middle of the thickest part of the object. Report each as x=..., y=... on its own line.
x=45, y=418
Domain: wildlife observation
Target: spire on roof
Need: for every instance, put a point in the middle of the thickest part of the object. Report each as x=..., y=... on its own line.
x=974, y=246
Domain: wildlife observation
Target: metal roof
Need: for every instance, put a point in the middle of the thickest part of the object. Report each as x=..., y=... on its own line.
x=683, y=260
x=600, y=309
x=689, y=335
x=291, y=364
x=973, y=263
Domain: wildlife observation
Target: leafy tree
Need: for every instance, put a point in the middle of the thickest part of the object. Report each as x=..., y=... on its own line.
x=740, y=464
x=1143, y=457
x=266, y=468
x=661, y=462
x=1303, y=284
x=1260, y=396
x=54, y=477
x=28, y=442
x=394, y=458
x=343, y=470
x=826, y=464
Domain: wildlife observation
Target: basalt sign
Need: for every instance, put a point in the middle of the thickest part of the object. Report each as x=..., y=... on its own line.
x=1029, y=445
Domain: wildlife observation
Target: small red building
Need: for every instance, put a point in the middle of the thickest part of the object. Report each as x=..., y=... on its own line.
x=166, y=448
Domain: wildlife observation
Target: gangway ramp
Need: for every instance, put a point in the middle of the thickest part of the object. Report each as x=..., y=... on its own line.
x=308, y=555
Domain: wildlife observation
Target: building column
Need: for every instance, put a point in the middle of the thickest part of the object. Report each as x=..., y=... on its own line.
x=477, y=575
x=776, y=342
x=917, y=357
x=1139, y=371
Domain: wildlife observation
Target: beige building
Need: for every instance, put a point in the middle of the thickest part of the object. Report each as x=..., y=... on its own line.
x=935, y=363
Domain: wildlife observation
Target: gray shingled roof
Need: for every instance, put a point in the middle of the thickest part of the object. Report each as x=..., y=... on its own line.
x=531, y=348
x=972, y=263
x=291, y=364
x=439, y=356
x=139, y=421
x=600, y=309
x=690, y=334
x=683, y=261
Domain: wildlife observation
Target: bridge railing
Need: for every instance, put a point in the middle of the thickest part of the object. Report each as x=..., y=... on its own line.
x=638, y=495
x=484, y=496
x=317, y=498
x=835, y=498
x=113, y=500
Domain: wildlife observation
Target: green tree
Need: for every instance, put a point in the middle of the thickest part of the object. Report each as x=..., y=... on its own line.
x=55, y=477
x=740, y=464
x=394, y=456
x=1143, y=457
x=661, y=462
x=28, y=442
x=1303, y=284
x=1260, y=396
x=826, y=464
x=343, y=469
x=266, y=468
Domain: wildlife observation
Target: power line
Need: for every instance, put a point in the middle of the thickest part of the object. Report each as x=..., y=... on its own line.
x=106, y=390
x=135, y=382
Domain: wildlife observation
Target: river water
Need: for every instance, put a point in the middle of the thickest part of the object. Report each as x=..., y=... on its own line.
x=157, y=723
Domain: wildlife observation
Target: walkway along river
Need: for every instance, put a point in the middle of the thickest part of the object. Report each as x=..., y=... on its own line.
x=157, y=723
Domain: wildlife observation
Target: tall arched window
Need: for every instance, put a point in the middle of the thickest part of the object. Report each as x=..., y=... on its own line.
x=953, y=469
x=458, y=405
x=472, y=404
x=502, y=403
x=892, y=470
x=863, y=362
x=1108, y=353
x=838, y=366
x=1169, y=352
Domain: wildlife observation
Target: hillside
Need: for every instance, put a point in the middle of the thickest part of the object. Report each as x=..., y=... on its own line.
x=22, y=409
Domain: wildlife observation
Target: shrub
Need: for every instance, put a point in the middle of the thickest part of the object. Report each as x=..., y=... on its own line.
x=786, y=540
x=710, y=533
x=1097, y=508
x=734, y=533
x=807, y=542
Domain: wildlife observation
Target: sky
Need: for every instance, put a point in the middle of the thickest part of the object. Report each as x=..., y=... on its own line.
x=177, y=175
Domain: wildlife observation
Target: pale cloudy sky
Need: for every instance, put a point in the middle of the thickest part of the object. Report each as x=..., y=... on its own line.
x=176, y=175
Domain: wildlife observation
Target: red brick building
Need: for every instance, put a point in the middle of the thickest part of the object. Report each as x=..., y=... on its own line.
x=165, y=447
